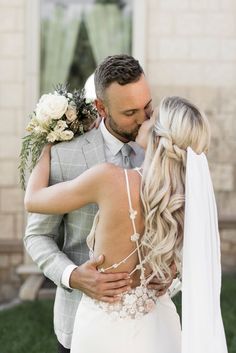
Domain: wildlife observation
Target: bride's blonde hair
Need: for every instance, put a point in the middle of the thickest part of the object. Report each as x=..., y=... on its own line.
x=179, y=124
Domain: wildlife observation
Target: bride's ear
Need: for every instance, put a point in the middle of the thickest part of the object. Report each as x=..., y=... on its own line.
x=100, y=108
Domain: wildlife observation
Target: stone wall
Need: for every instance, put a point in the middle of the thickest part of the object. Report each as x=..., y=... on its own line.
x=191, y=52
x=12, y=110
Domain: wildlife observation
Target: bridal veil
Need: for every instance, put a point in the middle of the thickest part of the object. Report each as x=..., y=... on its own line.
x=202, y=326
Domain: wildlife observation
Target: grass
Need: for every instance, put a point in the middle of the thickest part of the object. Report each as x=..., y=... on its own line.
x=28, y=328
x=228, y=305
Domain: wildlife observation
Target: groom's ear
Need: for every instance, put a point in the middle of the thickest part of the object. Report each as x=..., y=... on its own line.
x=100, y=108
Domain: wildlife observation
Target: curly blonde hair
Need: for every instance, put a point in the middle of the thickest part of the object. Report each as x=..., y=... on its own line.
x=178, y=125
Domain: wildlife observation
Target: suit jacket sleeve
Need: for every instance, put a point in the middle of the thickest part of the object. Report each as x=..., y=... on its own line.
x=42, y=232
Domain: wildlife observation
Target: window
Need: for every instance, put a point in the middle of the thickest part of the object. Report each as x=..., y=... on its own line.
x=77, y=35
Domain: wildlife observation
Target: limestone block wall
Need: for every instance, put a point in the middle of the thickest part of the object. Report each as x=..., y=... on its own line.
x=12, y=121
x=191, y=52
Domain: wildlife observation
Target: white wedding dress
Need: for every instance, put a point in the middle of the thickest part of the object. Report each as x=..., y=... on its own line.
x=142, y=323
x=139, y=323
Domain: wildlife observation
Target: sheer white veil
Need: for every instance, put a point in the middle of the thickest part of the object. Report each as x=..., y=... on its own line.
x=202, y=326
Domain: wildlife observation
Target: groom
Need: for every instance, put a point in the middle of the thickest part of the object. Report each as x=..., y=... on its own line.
x=124, y=101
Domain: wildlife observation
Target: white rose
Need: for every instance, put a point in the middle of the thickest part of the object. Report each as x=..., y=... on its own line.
x=71, y=113
x=66, y=135
x=52, y=136
x=51, y=106
x=61, y=125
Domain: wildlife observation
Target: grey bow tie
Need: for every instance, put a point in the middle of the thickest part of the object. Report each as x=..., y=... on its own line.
x=125, y=151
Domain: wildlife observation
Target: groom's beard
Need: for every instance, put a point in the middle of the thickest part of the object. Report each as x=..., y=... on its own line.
x=127, y=135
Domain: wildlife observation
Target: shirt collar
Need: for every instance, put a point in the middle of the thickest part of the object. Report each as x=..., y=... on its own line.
x=113, y=144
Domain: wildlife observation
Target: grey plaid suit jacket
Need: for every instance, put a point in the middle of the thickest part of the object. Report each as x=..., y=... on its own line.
x=68, y=160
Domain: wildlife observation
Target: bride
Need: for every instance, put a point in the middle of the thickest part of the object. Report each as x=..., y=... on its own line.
x=140, y=228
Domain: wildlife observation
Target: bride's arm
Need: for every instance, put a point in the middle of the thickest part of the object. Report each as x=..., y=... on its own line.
x=62, y=197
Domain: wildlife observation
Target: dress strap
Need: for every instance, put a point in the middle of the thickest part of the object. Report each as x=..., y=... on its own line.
x=128, y=188
x=132, y=212
x=138, y=170
x=135, y=236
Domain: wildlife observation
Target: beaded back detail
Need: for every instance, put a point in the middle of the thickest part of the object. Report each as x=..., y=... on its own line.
x=140, y=300
x=132, y=305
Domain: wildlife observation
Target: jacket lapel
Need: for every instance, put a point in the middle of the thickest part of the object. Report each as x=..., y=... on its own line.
x=93, y=148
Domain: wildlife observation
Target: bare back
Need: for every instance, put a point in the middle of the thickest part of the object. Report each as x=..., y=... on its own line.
x=114, y=228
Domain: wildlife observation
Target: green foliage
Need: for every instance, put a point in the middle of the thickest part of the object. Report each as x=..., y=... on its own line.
x=28, y=328
x=31, y=149
x=228, y=305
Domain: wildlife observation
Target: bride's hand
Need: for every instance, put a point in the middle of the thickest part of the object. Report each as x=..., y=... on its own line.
x=96, y=123
x=162, y=288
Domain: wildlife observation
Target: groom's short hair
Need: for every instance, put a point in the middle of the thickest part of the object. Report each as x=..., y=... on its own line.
x=122, y=69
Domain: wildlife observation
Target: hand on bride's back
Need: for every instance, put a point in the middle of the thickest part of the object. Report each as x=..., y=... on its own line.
x=159, y=287
x=102, y=286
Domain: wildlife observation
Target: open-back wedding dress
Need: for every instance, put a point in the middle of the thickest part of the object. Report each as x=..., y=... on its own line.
x=139, y=323
x=142, y=323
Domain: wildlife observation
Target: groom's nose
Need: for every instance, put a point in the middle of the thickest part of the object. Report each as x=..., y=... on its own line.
x=142, y=116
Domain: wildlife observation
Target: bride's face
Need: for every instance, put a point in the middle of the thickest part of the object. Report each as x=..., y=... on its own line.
x=143, y=133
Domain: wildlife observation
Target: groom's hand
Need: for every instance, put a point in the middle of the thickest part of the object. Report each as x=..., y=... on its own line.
x=103, y=286
x=161, y=288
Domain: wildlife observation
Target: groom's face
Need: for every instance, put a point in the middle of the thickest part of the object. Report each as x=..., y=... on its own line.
x=125, y=108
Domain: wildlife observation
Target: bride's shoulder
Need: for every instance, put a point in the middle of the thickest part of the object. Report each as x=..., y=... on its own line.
x=108, y=169
x=106, y=172
x=111, y=173
x=108, y=176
